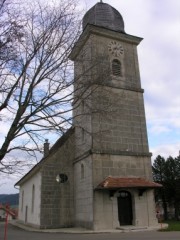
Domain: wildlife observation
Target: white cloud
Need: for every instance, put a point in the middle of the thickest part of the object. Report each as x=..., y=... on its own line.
x=166, y=150
x=159, y=129
x=7, y=184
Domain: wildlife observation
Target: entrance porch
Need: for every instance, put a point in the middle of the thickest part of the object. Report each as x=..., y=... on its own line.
x=121, y=202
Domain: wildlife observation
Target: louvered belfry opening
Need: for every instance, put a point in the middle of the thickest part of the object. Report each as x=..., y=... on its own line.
x=116, y=67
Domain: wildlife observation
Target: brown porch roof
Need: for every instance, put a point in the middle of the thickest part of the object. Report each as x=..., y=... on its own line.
x=118, y=182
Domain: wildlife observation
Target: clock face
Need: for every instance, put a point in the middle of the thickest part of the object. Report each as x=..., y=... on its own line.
x=115, y=49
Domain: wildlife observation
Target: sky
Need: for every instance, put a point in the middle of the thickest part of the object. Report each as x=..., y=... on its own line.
x=158, y=23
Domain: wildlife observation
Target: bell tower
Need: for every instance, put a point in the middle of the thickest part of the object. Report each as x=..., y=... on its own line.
x=112, y=154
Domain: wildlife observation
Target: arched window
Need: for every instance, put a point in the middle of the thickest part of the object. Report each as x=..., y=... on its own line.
x=82, y=106
x=82, y=170
x=82, y=134
x=22, y=200
x=116, y=67
x=33, y=195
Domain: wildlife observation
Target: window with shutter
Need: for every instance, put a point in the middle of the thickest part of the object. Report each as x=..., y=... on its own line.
x=116, y=67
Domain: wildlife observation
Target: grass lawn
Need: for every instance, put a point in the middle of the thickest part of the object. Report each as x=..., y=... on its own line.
x=173, y=226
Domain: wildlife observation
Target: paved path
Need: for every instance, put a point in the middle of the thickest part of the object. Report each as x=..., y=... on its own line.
x=15, y=233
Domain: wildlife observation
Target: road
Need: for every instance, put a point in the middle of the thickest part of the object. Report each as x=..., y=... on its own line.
x=15, y=233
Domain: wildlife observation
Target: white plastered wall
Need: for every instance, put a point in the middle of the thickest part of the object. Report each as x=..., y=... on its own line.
x=27, y=213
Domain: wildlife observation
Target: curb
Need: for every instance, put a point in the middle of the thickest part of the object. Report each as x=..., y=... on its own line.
x=86, y=231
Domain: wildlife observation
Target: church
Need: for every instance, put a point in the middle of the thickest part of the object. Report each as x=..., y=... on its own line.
x=98, y=174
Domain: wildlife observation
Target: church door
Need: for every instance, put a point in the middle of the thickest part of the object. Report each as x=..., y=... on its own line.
x=124, y=208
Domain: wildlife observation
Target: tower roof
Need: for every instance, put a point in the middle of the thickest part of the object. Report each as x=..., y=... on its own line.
x=104, y=15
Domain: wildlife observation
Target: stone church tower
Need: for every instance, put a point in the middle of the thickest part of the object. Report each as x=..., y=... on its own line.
x=98, y=174
x=112, y=167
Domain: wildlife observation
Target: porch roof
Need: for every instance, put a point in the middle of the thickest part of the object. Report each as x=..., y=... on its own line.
x=129, y=182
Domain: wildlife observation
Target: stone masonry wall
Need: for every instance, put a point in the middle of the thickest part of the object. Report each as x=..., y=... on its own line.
x=120, y=122
x=105, y=165
x=83, y=193
x=57, y=203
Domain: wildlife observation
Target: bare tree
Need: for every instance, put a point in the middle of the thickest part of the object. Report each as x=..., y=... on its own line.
x=36, y=75
x=38, y=89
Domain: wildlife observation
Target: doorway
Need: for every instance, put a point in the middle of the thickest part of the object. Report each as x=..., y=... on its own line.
x=125, y=215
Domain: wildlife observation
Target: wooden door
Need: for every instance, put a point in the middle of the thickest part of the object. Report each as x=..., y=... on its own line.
x=125, y=208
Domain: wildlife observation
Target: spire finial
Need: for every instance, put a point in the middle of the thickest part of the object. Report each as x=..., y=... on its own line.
x=101, y=1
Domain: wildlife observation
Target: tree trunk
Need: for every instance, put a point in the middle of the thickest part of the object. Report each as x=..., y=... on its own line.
x=177, y=213
x=165, y=207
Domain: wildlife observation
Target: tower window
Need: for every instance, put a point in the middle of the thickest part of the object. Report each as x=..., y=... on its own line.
x=82, y=171
x=82, y=134
x=116, y=67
